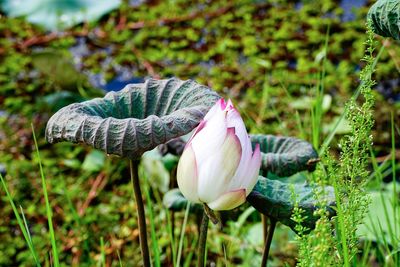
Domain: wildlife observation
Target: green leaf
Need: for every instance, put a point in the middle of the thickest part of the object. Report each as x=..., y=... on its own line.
x=157, y=174
x=94, y=161
x=60, y=99
x=134, y=120
x=61, y=14
x=175, y=201
x=285, y=156
x=57, y=67
x=275, y=199
x=385, y=18
x=381, y=220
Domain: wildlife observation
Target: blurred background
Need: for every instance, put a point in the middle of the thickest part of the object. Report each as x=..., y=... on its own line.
x=270, y=57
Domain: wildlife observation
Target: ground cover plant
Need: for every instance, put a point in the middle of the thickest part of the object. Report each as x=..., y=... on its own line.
x=304, y=69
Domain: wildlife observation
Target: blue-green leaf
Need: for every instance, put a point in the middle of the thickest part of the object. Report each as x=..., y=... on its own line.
x=285, y=156
x=58, y=14
x=277, y=200
x=385, y=18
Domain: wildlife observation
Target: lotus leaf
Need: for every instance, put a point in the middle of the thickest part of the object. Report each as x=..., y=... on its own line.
x=277, y=200
x=134, y=120
x=385, y=18
x=285, y=156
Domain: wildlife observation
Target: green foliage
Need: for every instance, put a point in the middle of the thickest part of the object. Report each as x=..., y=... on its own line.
x=175, y=201
x=284, y=156
x=273, y=198
x=348, y=176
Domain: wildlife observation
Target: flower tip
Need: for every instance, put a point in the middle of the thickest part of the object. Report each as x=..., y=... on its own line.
x=229, y=104
x=257, y=151
x=256, y=158
x=222, y=103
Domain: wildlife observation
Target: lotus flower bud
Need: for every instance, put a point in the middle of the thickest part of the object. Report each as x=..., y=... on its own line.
x=218, y=166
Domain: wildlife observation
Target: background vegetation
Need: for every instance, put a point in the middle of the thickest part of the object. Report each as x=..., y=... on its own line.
x=278, y=61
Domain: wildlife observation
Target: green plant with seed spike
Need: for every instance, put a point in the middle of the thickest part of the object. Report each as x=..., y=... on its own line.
x=348, y=176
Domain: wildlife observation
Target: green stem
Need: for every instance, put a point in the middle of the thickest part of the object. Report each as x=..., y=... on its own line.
x=341, y=225
x=202, y=240
x=134, y=164
x=268, y=242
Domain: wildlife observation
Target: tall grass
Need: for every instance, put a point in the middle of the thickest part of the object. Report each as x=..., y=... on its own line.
x=21, y=223
x=55, y=257
x=348, y=176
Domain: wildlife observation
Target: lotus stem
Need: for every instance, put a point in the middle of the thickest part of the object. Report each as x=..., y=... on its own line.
x=172, y=184
x=265, y=227
x=202, y=240
x=134, y=164
x=267, y=246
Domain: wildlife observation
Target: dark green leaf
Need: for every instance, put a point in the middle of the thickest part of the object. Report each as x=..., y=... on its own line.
x=385, y=18
x=60, y=99
x=175, y=201
x=276, y=200
x=135, y=119
x=285, y=156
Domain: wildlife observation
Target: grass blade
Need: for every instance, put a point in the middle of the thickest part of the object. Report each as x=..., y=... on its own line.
x=103, y=253
x=171, y=236
x=178, y=261
x=21, y=222
x=48, y=208
x=154, y=242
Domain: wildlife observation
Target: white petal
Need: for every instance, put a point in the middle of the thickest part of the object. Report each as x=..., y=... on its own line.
x=229, y=200
x=218, y=107
x=187, y=175
x=211, y=137
x=199, y=127
x=216, y=171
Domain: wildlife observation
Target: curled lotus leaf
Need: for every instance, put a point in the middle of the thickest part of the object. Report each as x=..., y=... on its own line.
x=385, y=18
x=277, y=200
x=136, y=119
x=175, y=201
x=174, y=146
x=285, y=156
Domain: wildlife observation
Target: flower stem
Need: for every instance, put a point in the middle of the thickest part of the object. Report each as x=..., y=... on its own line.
x=202, y=240
x=134, y=164
x=265, y=226
x=272, y=224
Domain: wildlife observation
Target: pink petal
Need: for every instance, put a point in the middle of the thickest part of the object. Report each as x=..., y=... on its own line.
x=217, y=169
x=187, y=175
x=234, y=120
x=222, y=104
x=229, y=200
x=253, y=170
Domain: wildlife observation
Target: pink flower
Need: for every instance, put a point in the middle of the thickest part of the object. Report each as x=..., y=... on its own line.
x=218, y=166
